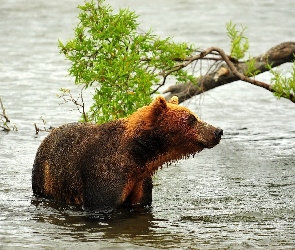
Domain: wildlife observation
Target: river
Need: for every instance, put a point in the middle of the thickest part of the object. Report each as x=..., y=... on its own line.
x=238, y=195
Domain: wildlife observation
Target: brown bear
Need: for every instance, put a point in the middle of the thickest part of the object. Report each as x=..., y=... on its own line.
x=102, y=167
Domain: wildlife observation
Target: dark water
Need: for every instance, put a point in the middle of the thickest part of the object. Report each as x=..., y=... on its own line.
x=239, y=195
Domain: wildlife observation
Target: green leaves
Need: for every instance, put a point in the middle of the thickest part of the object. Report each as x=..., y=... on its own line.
x=283, y=84
x=239, y=43
x=121, y=64
x=251, y=70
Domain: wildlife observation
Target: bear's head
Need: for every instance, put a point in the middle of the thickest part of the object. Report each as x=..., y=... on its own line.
x=185, y=130
x=169, y=131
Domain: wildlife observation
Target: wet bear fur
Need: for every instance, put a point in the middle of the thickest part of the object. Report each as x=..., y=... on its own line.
x=102, y=167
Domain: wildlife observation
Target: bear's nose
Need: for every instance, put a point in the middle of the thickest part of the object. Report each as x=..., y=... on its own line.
x=218, y=133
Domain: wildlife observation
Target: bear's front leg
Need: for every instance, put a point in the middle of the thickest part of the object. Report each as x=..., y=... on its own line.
x=141, y=194
x=102, y=195
x=147, y=196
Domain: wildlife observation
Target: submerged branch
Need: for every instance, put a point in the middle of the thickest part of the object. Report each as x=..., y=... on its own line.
x=3, y=112
x=4, y=120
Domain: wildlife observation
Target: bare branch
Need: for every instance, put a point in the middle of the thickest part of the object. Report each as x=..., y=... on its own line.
x=4, y=120
x=186, y=62
x=36, y=129
x=4, y=112
x=241, y=76
x=68, y=97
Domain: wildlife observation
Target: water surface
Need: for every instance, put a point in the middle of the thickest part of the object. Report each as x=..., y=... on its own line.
x=238, y=195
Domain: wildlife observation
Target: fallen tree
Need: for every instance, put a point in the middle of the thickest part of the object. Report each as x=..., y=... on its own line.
x=230, y=70
x=125, y=67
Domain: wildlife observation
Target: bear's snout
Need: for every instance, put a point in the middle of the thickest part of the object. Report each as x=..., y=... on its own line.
x=218, y=133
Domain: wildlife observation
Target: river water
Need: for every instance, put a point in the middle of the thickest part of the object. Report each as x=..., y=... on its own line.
x=238, y=195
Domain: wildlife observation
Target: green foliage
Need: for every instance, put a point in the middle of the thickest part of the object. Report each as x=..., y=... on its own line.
x=239, y=43
x=251, y=68
x=283, y=85
x=122, y=65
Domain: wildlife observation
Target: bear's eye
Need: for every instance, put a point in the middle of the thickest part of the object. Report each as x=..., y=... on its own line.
x=192, y=120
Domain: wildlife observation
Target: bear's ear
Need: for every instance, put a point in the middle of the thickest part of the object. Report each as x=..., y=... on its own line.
x=174, y=100
x=159, y=105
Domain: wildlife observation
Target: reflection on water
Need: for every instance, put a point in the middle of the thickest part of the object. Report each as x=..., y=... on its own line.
x=238, y=195
x=123, y=223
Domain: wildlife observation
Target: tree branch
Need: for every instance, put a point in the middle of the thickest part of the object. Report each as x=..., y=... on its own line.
x=4, y=121
x=231, y=71
x=3, y=112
